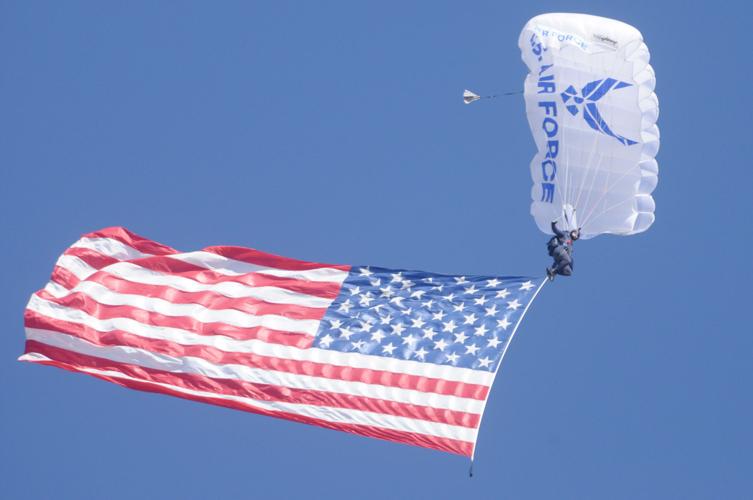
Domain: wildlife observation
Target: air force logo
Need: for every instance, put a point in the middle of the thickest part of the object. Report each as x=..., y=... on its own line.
x=586, y=102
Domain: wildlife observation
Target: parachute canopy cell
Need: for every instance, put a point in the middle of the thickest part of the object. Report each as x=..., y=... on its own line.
x=592, y=110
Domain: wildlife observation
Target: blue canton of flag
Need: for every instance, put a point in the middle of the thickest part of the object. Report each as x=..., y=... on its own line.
x=412, y=315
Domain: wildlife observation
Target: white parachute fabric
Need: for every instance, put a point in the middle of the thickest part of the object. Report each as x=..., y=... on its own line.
x=592, y=110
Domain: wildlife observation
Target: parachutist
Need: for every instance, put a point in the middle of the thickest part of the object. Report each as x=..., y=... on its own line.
x=560, y=247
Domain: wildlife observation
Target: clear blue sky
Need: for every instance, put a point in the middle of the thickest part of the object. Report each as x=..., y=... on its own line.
x=335, y=132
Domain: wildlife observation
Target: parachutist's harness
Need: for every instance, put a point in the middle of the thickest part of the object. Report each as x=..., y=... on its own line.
x=560, y=247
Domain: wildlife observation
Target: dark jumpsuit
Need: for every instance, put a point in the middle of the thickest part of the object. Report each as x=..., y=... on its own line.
x=560, y=247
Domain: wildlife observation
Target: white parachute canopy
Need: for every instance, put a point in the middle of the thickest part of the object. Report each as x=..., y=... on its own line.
x=592, y=110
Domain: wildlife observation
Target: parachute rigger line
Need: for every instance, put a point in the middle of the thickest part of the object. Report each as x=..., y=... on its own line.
x=544, y=281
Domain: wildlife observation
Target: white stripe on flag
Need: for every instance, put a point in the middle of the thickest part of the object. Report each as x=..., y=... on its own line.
x=76, y=266
x=231, y=267
x=181, y=336
x=103, y=295
x=328, y=414
x=275, y=295
x=110, y=247
x=197, y=366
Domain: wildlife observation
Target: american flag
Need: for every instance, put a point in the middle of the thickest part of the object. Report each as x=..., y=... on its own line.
x=406, y=356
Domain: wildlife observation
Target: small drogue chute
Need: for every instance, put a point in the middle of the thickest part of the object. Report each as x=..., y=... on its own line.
x=469, y=97
x=592, y=110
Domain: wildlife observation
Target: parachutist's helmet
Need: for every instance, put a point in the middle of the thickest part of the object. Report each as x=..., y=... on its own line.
x=575, y=234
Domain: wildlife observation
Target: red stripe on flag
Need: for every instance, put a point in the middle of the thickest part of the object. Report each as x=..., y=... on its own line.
x=91, y=257
x=210, y=300
x=174, y=267
x=101, y=311
x=217, y=356
x=64, y=277
x=444, y=444
x=260, y=391
x=126, y=237
x=252, y=256
x=177, y=267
